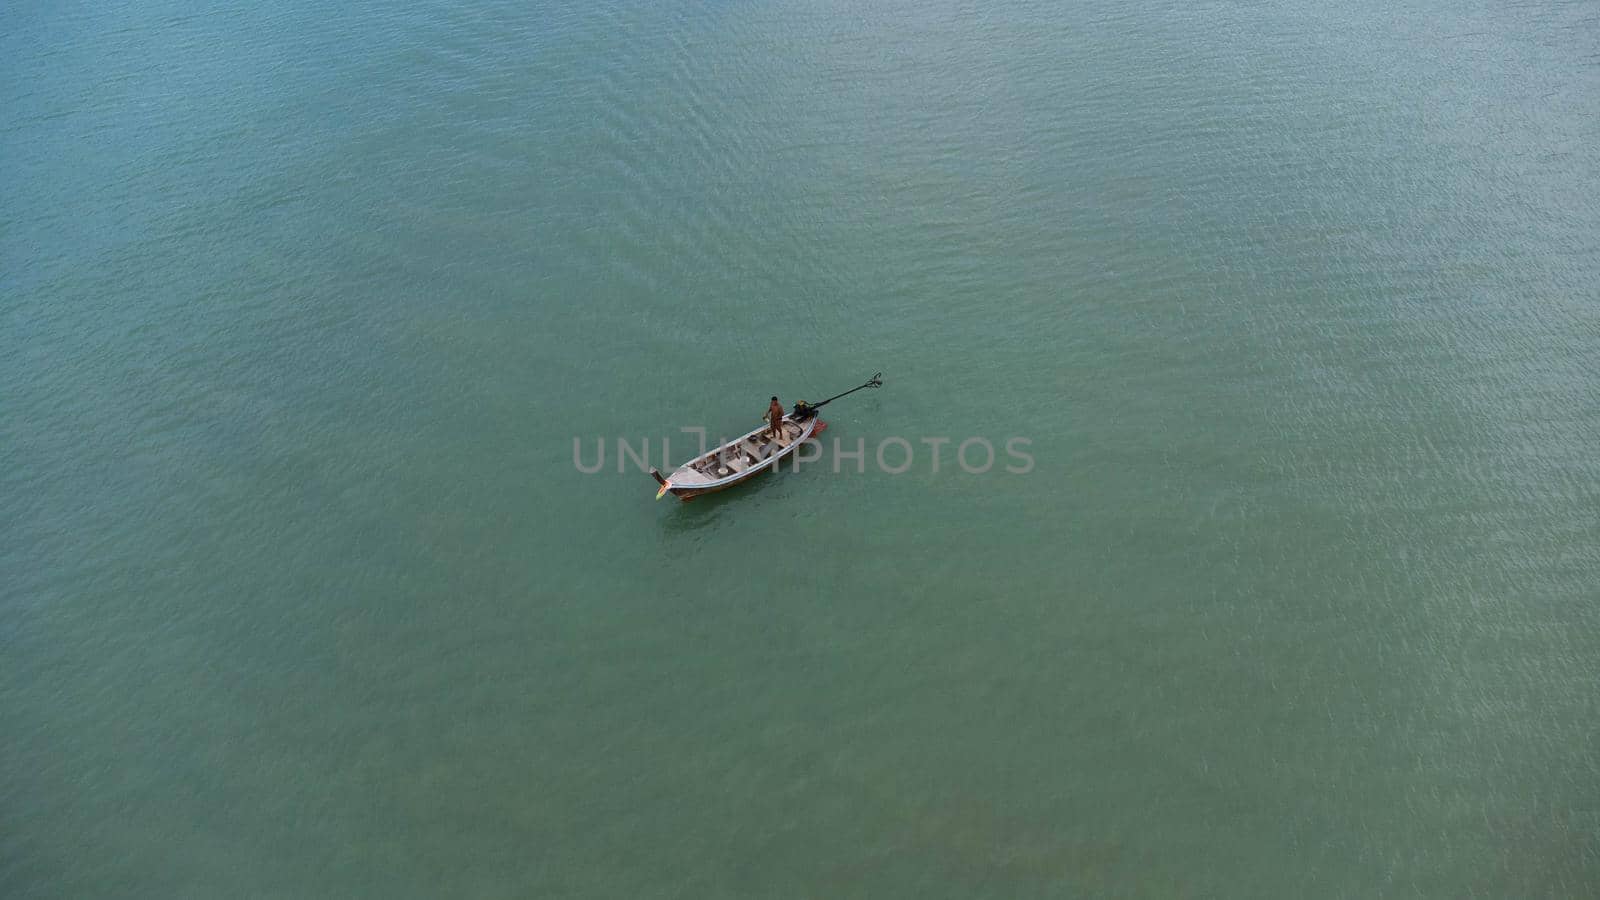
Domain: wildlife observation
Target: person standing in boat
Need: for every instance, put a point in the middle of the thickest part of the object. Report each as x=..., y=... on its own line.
x=774, y=419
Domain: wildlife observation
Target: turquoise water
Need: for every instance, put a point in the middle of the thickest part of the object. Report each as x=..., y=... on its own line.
x=304, y=306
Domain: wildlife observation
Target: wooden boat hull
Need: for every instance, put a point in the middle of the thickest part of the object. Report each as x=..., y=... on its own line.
x=737, y=461
x=687, y=494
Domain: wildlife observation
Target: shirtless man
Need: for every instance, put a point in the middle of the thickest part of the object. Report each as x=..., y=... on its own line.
x=774, y=419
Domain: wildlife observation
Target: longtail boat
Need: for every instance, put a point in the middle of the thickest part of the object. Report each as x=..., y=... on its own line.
x=747, y=456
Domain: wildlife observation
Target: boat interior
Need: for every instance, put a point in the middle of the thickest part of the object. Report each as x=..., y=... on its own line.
x=746, y=452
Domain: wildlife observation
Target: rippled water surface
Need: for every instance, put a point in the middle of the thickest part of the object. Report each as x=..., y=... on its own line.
x=301, y=592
